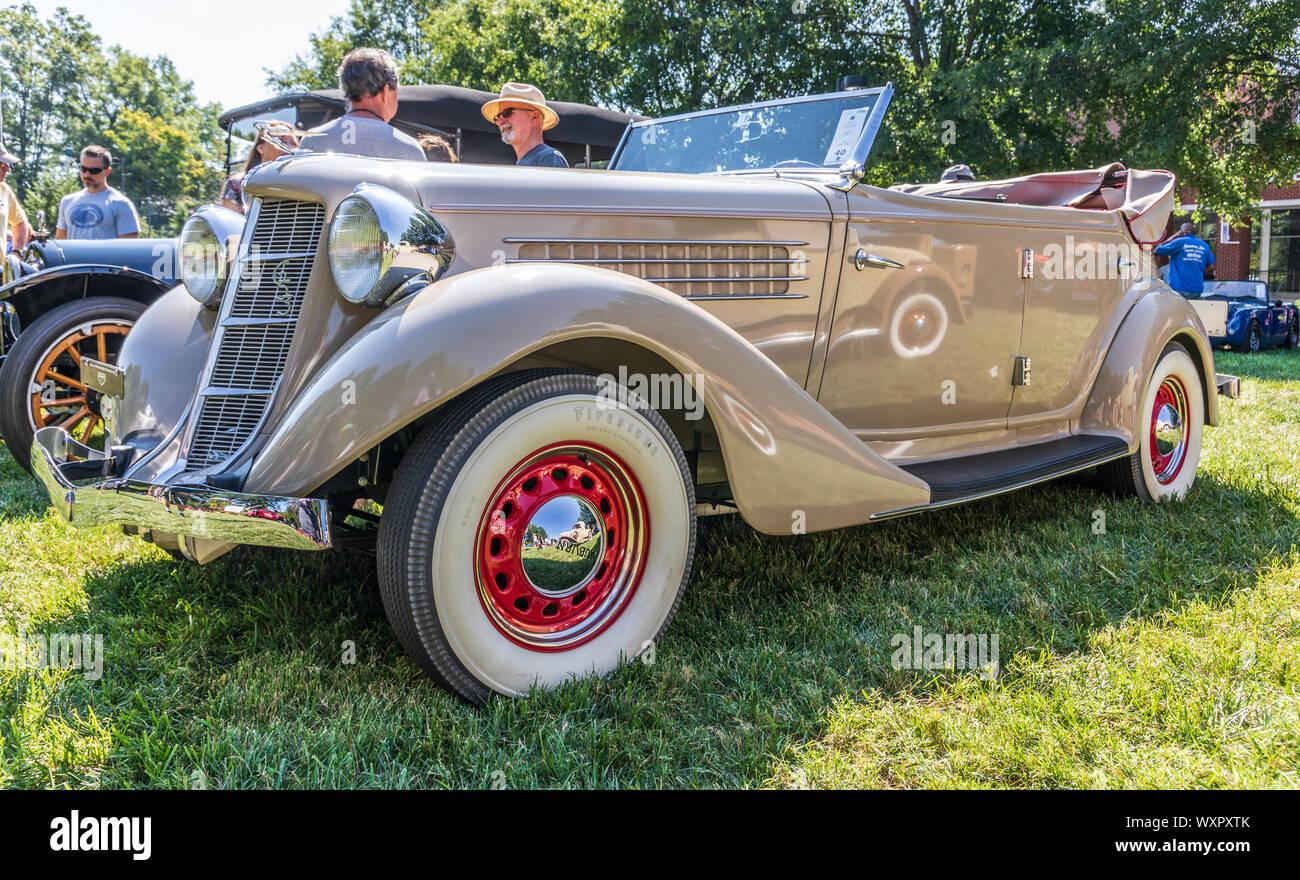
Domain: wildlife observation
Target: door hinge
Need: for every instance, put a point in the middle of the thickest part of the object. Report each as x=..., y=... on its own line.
x=1021, y=375
x=1027, y=263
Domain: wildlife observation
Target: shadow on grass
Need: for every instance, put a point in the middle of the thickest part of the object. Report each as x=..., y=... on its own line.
x=240, y=670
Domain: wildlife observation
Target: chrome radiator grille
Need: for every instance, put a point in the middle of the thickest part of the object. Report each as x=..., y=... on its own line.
x=256, y=328
x=695, y=269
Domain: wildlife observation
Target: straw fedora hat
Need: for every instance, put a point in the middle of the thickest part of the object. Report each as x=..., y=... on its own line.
x=521, y=93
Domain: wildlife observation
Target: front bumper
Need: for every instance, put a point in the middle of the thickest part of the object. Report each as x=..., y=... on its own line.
x=192, y=511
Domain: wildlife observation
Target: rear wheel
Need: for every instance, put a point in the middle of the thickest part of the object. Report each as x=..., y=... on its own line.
x=470, y=596
x=1173, y=410
x=40, y=382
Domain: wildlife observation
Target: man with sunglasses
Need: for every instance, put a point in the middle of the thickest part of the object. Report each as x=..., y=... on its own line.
x=521, y=115
x=99, y=210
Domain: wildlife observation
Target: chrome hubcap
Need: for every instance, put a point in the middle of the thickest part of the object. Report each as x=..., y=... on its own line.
x=1169, y=430
x=561, y=545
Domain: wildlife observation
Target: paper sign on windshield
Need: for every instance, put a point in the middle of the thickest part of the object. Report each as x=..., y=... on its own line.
x=846, y=135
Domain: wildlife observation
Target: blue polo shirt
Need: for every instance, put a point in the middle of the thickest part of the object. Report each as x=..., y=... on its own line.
x=1188, y=257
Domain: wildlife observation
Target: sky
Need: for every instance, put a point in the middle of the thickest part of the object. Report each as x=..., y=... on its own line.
x=220, y=45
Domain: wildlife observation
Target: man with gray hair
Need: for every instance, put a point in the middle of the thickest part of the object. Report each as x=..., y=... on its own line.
x=368, y=78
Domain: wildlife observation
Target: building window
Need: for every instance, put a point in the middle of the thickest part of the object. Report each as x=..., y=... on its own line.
x=1283, y=269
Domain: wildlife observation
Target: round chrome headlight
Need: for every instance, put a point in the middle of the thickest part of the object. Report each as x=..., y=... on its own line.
x=357, y=254
x=379, y=241
x=203, y=252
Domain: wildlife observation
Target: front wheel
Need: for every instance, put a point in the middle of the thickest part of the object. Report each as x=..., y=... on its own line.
x=40, y=382
x=482, y=610
x=1253, y=337
x=1173, y=414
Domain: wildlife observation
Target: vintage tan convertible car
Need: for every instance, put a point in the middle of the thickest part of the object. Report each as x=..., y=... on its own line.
x=726, y=320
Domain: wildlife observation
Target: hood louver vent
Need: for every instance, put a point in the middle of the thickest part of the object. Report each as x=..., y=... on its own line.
x=696, y=269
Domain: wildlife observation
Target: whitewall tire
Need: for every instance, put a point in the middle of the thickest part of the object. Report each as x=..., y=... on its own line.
x=484, y=613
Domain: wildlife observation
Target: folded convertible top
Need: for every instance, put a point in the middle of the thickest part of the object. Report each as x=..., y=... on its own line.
x=1144, y=198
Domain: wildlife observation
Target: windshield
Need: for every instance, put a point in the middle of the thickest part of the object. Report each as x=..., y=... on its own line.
x=815, y=133
x=1236, y=289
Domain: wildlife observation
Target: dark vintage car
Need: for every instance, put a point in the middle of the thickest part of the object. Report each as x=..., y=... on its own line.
x=70, y=299
x=1240, y=315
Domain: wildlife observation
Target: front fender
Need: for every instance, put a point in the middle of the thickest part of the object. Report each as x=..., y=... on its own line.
x=1158, y=317
x=162, y=358
x=785, y=455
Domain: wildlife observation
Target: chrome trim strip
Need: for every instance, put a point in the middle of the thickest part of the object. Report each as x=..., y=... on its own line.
x=908, y=511
x=254, y=322
x=633, y=211
x=723, y=279
x=193, y=511
x=219, y=391
x=706, y=297
x=650, y=242
x=273, y=258
x=657, y=262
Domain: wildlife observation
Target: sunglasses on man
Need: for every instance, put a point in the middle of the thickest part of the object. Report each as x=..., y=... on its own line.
x=87, y=170
x=505, y=114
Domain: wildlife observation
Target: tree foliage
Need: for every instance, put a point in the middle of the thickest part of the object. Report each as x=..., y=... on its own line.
x=62, y=90
x=1206, y=88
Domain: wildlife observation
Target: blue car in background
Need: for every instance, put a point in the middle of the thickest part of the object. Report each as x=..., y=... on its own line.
x=1239, y=314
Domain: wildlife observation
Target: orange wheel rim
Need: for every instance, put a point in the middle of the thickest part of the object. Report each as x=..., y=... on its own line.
x=67, y=404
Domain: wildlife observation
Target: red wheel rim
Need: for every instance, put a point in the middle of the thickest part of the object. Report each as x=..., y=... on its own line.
x=559, y=620
x=1168, y=440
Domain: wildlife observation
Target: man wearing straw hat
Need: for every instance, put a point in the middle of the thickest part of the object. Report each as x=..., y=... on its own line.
x=12, y=214
x=521, y=115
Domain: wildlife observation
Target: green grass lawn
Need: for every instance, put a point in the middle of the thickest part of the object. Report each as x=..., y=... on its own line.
x=1162, y=653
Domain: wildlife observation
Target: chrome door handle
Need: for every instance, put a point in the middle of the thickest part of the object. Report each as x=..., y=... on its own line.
x=862, y=260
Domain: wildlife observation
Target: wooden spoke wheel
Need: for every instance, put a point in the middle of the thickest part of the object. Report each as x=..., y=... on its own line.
x=40, y=381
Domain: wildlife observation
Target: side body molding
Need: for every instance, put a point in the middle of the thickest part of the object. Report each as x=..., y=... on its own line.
x=784, y=453
x=1158, y=317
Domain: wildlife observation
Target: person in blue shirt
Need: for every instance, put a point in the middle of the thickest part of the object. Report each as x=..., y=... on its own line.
x=1189, y=257
x=521, y=115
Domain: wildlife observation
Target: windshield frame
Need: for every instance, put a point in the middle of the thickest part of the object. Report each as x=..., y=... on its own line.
x=869, y=130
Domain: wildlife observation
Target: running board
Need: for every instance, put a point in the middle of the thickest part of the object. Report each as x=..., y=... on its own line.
x=955, y=480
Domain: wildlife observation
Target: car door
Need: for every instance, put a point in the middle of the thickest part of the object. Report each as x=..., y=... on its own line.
x=927, y=316
x=1084, y=262
x=1276, y=328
